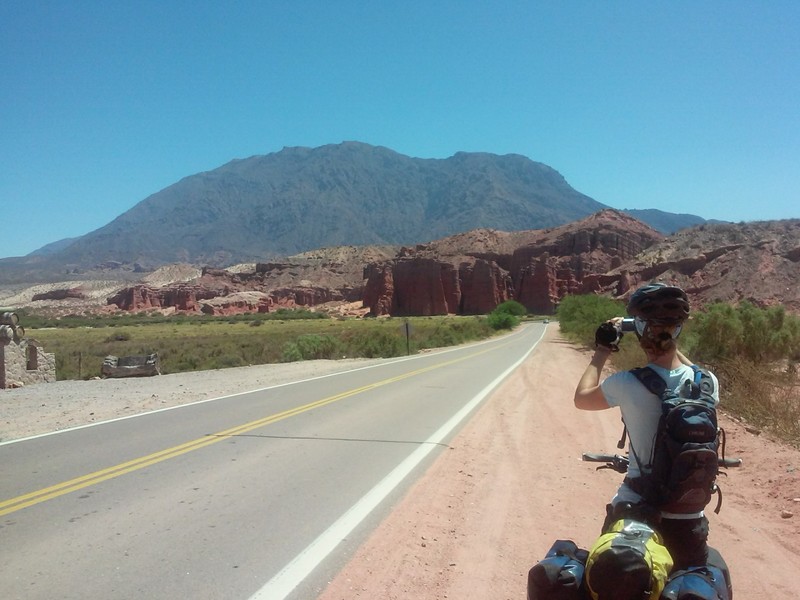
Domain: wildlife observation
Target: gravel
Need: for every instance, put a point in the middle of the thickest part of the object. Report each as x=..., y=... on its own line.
x=47, y=407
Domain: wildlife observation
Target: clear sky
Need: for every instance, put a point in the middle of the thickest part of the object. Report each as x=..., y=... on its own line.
x=685, y=106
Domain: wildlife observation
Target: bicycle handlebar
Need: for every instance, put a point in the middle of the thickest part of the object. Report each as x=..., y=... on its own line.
x=615, y=461
x=594, y=457
x=612, y=461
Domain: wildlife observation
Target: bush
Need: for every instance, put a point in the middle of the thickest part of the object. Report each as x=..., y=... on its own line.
x=378, y=344
x=312, y=347
x=757, y=334
x=512, y=307
x=502, y=320
x=506, y=315
x=579, y=316
x=119, y=337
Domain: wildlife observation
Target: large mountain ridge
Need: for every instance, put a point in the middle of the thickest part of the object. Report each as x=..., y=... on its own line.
x=299, y=199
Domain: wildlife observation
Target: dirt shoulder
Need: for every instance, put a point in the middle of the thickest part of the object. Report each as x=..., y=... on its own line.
x=490, y=507
x=513, y=483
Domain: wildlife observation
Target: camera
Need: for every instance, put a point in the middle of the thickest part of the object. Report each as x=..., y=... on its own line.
x=627, y=324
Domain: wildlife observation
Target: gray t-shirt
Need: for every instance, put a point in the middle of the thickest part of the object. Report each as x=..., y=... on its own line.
x=641, y=411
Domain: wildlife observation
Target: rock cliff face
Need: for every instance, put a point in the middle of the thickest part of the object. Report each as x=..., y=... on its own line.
x=306, y=280
x=418, y=285
x=608, y=253
x=472, y=274
x=569, y=260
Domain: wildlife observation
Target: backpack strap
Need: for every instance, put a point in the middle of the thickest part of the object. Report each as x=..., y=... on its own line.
x=654, y=383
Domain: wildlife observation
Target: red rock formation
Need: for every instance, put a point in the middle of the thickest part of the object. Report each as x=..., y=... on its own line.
x=238, y=303
x=568, y=259
x=379, y=289
x=414, y=285
x=471, y=273
x=755, y=262
x=483, y=285
x=550, y=264
x=182, y=297
x=424, y=287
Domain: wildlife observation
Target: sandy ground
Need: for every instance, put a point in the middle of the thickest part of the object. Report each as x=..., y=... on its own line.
x=511, y=484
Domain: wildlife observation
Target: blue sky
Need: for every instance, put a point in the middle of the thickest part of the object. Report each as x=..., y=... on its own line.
x=684, y=106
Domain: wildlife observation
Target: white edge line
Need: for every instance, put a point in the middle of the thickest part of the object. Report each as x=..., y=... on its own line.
x=288, y=578
x=271, y=387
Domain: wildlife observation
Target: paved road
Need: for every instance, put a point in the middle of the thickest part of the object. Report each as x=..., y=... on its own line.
x=262, y=495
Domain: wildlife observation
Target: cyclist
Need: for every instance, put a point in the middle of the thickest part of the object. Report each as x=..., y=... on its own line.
x=659, y=312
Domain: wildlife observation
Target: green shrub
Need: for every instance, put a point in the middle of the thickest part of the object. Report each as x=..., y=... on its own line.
x=757, y=334
x=579, y=316
x=512, y=307
x=312, y=347
x=378, y=344
x=502, y=320
x=119, y=337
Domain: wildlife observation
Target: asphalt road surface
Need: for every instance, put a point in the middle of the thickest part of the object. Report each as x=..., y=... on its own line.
x=260, y=495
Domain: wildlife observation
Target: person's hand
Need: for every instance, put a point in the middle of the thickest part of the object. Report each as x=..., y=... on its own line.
x=608, y=335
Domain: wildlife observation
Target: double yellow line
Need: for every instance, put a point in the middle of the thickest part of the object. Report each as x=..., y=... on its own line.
x=14, y=504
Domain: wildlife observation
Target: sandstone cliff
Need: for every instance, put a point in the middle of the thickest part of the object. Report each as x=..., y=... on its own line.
x=472, y=273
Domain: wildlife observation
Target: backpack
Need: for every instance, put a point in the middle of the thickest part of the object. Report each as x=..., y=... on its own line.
x=681, y=475
x=628, y=562
x=697, y=583
x=559, y=575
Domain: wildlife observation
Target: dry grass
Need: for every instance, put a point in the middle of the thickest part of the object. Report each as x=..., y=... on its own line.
x=764, y=395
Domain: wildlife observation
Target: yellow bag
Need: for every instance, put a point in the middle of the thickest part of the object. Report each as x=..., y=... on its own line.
x=629, y=562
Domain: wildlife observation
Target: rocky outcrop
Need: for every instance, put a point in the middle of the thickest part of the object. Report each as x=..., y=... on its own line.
x=484, y=285
x=181, y=297
x=303, y=281
x=569, y=259
x=473, y=273
x=424, y=286
x=755, y=262
x=237, y=303
x=608, y=253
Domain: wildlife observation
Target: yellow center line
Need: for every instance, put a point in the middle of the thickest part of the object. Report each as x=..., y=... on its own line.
x=14, y=504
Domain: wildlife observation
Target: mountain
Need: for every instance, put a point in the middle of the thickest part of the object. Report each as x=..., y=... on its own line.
x=300, y=199
x=54, y=247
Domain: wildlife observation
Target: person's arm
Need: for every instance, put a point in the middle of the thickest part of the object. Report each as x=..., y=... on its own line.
x=588, y=394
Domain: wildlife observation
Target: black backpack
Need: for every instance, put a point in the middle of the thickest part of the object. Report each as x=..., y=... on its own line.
x=681, y=476
x=559, y=575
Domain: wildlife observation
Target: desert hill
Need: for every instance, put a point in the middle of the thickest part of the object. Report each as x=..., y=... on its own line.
x=608, y=252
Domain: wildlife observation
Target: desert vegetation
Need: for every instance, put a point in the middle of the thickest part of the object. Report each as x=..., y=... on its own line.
x=201, y=342
x=80, y=343
x=755, y=353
